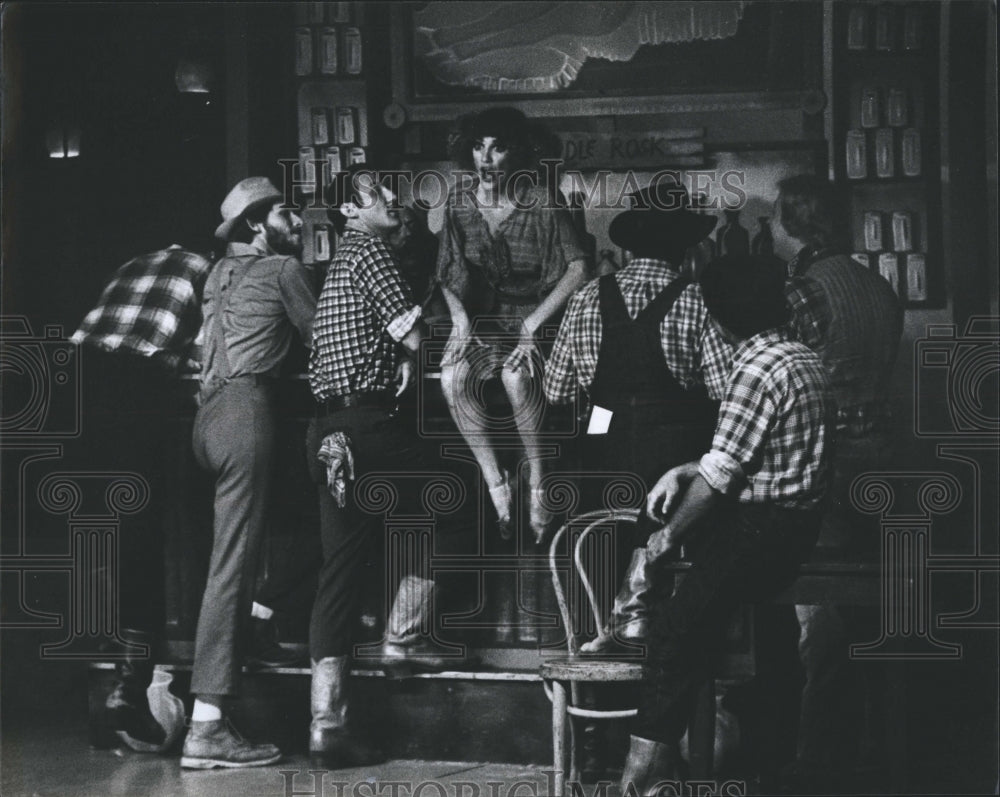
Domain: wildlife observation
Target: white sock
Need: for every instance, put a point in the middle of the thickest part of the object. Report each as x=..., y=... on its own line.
x=205, y=712
x=261, y=612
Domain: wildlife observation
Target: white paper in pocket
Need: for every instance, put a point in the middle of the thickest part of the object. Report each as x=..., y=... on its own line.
x=600, y=420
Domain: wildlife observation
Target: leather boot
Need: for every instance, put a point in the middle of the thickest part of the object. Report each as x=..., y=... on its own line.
x=628, y=622
x=330, y=744
x=127, y=707
x=409, y=644
x=216, y=743
x=649, y=767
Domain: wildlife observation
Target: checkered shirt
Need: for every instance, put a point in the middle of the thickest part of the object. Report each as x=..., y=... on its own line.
x=809, y=316
x=151, y=307
x=770, y=441
x=851, y=318
x=694, y=352
x=364, y=310
x=520, y=262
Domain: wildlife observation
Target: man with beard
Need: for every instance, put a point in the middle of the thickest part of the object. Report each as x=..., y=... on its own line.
x=255, y=297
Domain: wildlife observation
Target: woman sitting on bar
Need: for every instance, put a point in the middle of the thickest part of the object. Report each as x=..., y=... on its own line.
x=509, y=260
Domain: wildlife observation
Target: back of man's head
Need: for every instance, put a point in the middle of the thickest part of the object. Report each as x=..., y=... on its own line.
x=745, y=293
x=812, y=210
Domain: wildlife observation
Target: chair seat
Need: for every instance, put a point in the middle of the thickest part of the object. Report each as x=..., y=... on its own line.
x=591, y=668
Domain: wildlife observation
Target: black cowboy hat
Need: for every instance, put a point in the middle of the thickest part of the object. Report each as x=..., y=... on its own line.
x=660, y=222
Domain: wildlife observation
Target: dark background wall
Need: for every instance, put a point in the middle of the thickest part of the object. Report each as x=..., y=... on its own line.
x=155, y=164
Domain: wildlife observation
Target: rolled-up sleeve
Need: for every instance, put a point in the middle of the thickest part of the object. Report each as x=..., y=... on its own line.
x=722, y=472
x=401, y=325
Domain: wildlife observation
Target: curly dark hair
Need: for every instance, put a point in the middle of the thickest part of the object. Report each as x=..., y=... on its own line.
x=812, y=210
x=527, y=142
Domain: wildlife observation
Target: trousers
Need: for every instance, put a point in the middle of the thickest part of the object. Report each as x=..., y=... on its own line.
x=742, y=554
x=234, y=440
x=382, y=447
x=833, y=696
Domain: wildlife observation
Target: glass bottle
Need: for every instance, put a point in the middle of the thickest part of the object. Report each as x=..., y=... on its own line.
x=733, y=239
x=763, y=241
x=703, y=252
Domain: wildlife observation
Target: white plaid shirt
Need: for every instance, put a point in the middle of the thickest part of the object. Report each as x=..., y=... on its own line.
x=364, y=310
x=694, y=352
x=770, y=441
x=151, y=306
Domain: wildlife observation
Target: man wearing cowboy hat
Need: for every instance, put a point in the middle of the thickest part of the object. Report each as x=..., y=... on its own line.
x=255, y=298
x=639, y=344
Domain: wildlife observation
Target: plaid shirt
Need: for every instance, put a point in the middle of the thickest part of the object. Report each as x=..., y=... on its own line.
x=694, y=352
x=151, y=307
x=851, y=318
x=515, y=266
x=770, y=441
x=364, y=310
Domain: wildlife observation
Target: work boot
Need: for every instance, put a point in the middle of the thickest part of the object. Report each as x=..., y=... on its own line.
x=330, y=744
x=217, y=743
x=127, y=707
x=265, y=650
x=649, y=767
x=629, y=620
x=409, y=645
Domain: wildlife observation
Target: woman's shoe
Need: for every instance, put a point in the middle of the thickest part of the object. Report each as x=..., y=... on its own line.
x=501, y=495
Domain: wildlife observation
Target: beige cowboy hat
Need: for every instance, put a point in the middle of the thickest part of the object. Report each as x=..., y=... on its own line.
x=245, y=194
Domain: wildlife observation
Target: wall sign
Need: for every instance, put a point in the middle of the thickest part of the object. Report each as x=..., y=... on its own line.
x=636, y=149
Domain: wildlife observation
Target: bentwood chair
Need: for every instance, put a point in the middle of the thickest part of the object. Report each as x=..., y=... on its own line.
x=586, y=538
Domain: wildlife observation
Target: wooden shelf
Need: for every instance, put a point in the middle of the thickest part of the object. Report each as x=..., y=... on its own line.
x=915, y=72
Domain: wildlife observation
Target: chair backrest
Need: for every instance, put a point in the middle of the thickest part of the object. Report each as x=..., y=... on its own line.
x=588, y=542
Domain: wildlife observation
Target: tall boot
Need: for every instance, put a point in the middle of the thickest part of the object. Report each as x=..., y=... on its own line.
x=408, y=639
x=127, y=707
x=629, y=619
x=649, y=767
x=330, y=744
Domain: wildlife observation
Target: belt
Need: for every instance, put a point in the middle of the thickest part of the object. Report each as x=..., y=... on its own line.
x=862, y=420
x=257, y=379
x=215, y=384
x=333, y=404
